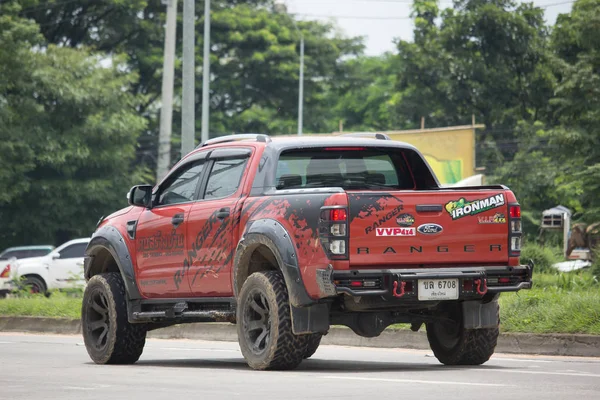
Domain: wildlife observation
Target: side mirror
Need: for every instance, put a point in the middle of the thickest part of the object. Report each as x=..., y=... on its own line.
x=55, y=256
x=140, y=195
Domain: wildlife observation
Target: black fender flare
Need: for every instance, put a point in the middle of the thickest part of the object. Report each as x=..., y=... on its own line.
x=109, y=238
x=271, y=233
x=308, y=315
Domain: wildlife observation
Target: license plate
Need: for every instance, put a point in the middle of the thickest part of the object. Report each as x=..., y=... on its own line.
x=438, y=289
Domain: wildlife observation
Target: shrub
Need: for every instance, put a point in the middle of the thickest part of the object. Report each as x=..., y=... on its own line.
x=543, y=257
x=595, y=270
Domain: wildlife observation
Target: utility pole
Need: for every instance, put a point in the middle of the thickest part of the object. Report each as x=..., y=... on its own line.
x=188, y=120
x=301, y=84
x=206, y=71
x=166, y=113
x=281, y=7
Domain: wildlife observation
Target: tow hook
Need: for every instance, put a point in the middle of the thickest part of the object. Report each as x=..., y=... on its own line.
x=395, y=291
x=478, y=283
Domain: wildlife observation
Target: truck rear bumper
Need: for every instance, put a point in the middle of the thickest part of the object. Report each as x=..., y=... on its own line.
x=472, y=282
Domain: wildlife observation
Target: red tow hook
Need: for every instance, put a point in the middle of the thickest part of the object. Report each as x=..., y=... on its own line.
x=478, y=283
x=395, y=291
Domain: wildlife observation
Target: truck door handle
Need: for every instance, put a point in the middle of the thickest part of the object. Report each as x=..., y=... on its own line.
x=223, y=213
x=177, y=219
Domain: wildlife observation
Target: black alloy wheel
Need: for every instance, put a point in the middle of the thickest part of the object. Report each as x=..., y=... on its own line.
x=98, y=322
x=257, y=322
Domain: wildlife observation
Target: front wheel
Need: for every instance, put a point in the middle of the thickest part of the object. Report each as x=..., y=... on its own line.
x=264, y=324
x=452, y=344
x=108, y=336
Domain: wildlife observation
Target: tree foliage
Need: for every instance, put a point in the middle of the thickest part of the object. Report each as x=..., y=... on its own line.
x=80, y=95
x=68, y=128
x=254, y=64
x=563, y=166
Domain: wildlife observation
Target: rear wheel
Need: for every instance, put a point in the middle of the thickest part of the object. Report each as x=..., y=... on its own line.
x=312, y=344
x=452, y=344
x=34, y=285
x=108, y=336
x=264, y=324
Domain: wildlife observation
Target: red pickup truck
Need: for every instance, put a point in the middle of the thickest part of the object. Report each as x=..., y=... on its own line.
x=285, y=237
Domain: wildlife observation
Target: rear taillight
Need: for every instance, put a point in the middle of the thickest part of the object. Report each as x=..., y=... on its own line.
x=333, y=231
x=6, y=272
x=515, y=231
x=515, y=211
x=338, y=214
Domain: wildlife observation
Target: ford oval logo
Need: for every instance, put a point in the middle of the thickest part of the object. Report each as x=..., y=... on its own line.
x=430, y=229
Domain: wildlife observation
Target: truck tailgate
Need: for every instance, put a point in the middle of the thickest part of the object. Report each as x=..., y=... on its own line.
x=428, y=228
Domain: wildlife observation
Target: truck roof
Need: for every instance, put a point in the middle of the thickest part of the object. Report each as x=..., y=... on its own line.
x=287, y=142
x=282, y=142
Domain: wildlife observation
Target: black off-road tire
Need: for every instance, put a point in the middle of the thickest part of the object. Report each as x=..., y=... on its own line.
x=455, y=345
x=312, y=344
x=108, y=336
x=264, y=311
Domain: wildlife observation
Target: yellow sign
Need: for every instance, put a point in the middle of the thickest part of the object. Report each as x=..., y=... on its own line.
x=449, y=151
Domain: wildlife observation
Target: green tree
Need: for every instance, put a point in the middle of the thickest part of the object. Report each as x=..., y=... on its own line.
x=68, y=129
x=558, y=160
x=254, y=60
x=365, y=97
x=486, y=58
x=576, y=104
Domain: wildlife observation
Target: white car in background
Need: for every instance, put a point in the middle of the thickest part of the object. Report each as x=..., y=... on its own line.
x=12, y=254
x=62, y=268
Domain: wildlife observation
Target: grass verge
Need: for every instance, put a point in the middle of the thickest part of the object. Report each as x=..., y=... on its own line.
x=57, y=305
x=551, y=310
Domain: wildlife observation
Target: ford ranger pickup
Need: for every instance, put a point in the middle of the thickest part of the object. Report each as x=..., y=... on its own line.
x=287, y=236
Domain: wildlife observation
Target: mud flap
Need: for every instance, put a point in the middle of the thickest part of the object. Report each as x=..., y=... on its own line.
x=478, y=315
x=310, y=319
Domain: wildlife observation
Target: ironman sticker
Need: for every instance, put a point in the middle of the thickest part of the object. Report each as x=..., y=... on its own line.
x=396, y=231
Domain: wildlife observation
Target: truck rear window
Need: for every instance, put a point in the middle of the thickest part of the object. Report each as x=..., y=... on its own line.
x=349, y=168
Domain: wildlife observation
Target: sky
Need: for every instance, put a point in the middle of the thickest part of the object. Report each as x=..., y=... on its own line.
x=381, y=21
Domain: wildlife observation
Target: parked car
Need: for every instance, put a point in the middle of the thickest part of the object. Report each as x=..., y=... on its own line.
x=62, y=268
x=10, y=255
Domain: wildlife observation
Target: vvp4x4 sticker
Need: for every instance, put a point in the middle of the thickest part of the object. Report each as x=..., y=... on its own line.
x=497, y=218
x=462, y=208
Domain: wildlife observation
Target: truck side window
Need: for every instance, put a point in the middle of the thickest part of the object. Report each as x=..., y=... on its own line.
x=225, y=177
x=182, y=187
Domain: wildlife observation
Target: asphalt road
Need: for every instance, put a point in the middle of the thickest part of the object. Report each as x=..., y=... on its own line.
x=57, y=367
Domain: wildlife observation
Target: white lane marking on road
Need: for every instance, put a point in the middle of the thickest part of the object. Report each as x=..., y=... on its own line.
x=86, y=387
x=185, y=349
x=6, y=342
x=523, y=371
x=520, y=360
x=358, y=378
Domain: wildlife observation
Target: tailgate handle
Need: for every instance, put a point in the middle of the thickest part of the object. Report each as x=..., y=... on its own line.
x=429, y=207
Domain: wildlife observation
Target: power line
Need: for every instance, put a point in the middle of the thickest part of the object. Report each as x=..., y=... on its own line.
x=557, y=4
x=351, y=17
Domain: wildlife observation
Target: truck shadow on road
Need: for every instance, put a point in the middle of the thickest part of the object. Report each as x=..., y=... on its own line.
x=315, y=365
